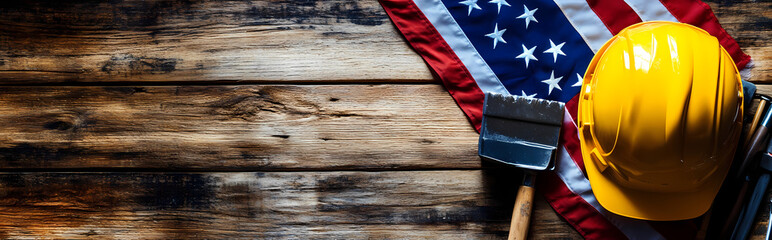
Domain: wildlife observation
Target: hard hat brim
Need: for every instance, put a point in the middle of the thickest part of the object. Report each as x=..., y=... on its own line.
x=657, y=206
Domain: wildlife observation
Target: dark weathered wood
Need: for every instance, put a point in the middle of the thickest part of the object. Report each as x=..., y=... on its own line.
x=759, y=230
x=274, y=127
x=311, y=130
x=235, y=127
x=214, y=40
x=750, y=23
x=206, y=40
x=471, y=204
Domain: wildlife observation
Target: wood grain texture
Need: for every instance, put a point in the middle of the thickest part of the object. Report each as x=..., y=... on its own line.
x=299, y=142
x=473, y=204
x=273, y=127
x=521, y=213
x=208, y=40
x=254, y=41
x=750, y=24
x=285, y=128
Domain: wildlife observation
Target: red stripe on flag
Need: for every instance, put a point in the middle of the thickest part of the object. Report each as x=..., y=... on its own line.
x=572, y=207
x=577, y=212
x=615, y=14
x=425, y=39
x=698, y=13
x=569, y=137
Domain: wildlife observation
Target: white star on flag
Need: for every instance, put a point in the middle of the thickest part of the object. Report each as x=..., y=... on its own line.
x=526, y=95
x=555, y=50
x=578, y=81
x=500, y=2
x=552, y=82
x=527, y=55
x=528, y=15
x=472, y=4
x=496, y=35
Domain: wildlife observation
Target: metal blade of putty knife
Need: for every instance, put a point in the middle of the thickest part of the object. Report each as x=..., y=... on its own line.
x=521, y=132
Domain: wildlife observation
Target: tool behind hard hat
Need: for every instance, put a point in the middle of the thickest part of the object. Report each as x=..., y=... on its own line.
x=660, y=115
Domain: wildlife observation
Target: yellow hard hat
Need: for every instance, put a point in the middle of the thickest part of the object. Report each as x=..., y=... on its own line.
x=660, y=115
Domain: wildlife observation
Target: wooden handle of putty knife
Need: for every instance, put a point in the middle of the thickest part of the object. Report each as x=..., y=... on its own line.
x=521, y=214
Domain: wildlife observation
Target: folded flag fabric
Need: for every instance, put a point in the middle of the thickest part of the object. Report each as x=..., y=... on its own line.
x=541, y=49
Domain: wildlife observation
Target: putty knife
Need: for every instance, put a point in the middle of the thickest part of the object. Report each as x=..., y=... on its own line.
x=521, y=132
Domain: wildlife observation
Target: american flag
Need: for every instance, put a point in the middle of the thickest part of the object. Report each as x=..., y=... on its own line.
x=541, y=49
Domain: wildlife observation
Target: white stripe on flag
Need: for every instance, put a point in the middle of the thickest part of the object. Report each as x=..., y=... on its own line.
x=746, y=72
x=439, y=16
x=575, y=180
x=584, y=20
x=651, y=10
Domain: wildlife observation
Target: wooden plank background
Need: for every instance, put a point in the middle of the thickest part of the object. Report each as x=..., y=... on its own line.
x=256, y=119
